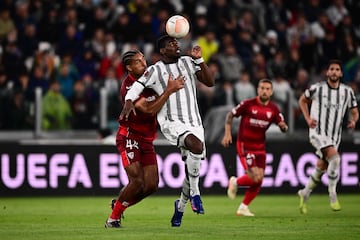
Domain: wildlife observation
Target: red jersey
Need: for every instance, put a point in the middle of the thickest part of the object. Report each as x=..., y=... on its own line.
x=142, y=125
x=256, y=118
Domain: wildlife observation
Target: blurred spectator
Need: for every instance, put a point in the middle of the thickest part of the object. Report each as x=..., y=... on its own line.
x=313, y=9
x=256, y=7
x=86, y=63
x=244, y=47
x=208, y=43
x=71, y=41
x=336, y=11
x=46, y=59
x=243, y=88
x=230, y=63
x=38, y=79
x=112, y=86
x=277, y=18
x=112, y=61
x=13, y=60
x=50, y=27
x=56, y=111
x=270, y=45
x=18, y=116
x=276, y=65
x=293, y=64
x=5, y=94
x=349, y=53
x=83, y=108
x=28, y=43
x=6, y=23
x=281, y=91
x=66, y=79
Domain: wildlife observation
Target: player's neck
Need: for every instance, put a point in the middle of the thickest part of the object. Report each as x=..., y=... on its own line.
x=333, y=84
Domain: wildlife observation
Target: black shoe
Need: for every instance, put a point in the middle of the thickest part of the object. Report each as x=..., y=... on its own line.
x=113, y=224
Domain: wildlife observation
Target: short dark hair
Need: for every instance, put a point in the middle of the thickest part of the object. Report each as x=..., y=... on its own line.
x=161, y=42
x=335, y=61
x=128, y=55
x=265, y=80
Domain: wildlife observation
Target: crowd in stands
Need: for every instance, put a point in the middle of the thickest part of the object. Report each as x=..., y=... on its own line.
x=72, y=48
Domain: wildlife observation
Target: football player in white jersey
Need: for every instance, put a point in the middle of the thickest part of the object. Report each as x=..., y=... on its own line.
x=329, y=101
x=179, y=118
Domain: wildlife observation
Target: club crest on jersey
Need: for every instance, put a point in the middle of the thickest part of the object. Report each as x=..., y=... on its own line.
x=131, y=155
x=254, y=111
x=268, y=114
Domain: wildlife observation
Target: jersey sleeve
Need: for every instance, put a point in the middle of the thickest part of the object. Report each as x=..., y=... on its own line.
x=238, y=110
x=353, y=101
x=149, y=77
x=310, y=91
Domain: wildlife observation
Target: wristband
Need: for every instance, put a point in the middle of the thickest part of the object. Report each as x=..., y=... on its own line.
x=199, y=60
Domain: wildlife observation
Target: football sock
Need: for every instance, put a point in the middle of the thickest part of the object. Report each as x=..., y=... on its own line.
x=313, y=181
x=119, y=208
x=185, y=195
x=193, y=168
x=332, y=171
x=251, y=193
x=244, y=180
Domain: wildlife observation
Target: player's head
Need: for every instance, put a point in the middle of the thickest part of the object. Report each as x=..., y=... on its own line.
x=334, y=70
x=265, y=90
x=134, y=62
x=169, y=48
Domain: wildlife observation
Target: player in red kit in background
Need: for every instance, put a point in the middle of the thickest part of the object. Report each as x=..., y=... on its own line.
x=257, y=114
x=135, y=137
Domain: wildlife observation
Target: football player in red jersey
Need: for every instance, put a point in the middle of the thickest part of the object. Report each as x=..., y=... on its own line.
x=257, y=114
x=135, y=138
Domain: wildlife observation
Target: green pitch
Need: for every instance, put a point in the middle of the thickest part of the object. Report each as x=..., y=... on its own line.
x=277, y=217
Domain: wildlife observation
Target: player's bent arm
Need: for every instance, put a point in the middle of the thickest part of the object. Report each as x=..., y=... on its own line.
x=303, y=104
x=204, y=75
x=153, y=106
x=227, y=139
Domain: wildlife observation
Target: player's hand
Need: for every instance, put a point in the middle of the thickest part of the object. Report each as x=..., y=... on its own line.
x=311, y=123
x=127, y=109
x=175, y=85
x=351, y=124
x=227, y=140
x=283, y=126
x=196, y=52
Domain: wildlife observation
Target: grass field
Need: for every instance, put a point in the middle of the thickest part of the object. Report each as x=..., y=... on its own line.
x=277, y=217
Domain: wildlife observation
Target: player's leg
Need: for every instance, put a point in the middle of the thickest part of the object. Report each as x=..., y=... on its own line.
x=180, y=204
x=196, y=149
x=256, y=175
x=128, y=195
x=313, y=180
x=333, y=159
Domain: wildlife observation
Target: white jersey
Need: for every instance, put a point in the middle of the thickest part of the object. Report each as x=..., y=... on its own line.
x=182, y=105
x=328, y=107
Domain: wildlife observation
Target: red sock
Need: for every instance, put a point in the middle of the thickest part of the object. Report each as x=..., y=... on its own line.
x=244, y=180
x=251, y=193
x=119, y=208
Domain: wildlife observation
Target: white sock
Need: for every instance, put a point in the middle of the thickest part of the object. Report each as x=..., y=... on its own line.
x=332, y=171
x=184, y=196
x=313, y=181
x=243, y=206
x=193, y=167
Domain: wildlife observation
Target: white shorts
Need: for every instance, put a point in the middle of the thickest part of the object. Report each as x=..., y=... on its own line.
x=176, y=132
x=319, y=142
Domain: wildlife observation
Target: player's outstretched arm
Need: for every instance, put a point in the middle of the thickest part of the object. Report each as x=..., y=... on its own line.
x=303, y=104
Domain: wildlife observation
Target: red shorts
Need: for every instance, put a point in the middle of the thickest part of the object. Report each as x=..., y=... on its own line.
x=134, y=150
x=251, y=158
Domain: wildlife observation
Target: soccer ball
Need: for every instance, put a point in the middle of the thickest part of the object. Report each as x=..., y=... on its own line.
x=177, y=26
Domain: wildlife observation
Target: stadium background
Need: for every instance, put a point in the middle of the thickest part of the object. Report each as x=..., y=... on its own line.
x=79, y=44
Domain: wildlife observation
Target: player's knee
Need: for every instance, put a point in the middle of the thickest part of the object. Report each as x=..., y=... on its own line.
x=138, y=183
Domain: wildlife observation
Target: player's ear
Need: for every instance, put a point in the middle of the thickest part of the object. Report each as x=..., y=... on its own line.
x=128, y=68
x=162, y=51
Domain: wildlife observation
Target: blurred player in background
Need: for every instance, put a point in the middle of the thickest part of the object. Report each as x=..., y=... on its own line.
x=329, y=100
x=179, y=119
x=257, y=114
x=135, y=137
